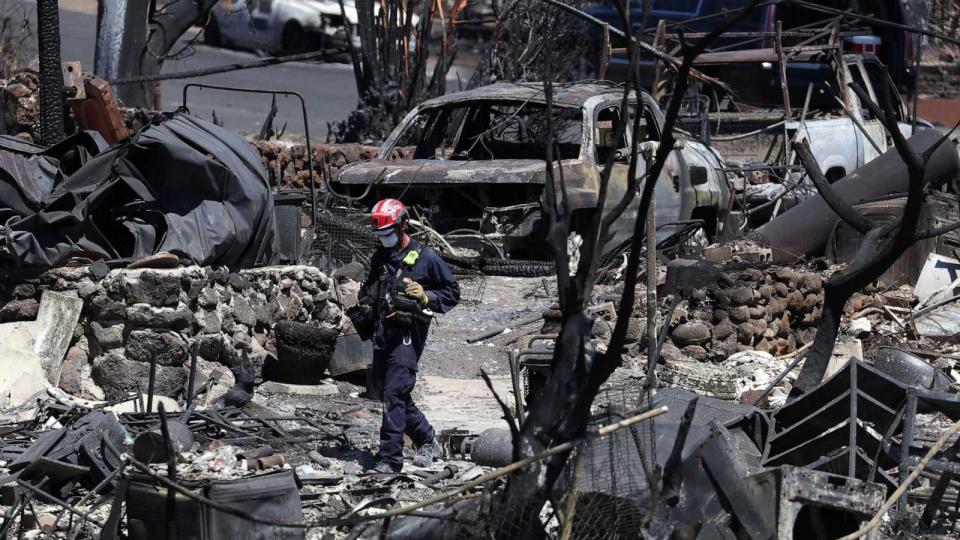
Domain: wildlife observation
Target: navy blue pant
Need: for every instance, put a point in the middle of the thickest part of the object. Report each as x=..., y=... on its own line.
x=394, y=375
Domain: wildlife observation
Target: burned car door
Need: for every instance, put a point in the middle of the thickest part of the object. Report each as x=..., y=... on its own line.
x=608, y=146
x=675, y=198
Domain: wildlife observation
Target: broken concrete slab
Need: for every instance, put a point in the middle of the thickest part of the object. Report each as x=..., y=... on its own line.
x=32, y=352
x=843, y=352
x=476, y=408
x=54, y=328
x=170, y=405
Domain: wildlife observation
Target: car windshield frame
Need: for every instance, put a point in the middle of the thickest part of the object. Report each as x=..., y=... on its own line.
x=494, y=128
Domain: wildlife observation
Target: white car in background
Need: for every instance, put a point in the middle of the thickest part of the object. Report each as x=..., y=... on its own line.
x=282, y=26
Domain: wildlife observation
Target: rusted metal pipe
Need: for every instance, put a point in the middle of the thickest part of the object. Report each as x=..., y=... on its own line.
x=499, y=330
x=449, y=471
x=171, y=455
x=152, y=380
x=805, y=229
x=194, y=353
x=262, y=452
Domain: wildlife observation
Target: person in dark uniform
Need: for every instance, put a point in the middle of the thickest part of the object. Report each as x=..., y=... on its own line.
x=407, y=285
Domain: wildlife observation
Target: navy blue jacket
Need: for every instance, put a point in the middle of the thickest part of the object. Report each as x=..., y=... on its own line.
x=429, y=270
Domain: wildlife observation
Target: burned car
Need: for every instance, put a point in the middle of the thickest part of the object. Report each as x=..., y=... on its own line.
x=478, y=164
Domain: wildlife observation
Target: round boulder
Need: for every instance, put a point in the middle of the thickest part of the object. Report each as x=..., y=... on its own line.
x=168, y=348
x=691, y=333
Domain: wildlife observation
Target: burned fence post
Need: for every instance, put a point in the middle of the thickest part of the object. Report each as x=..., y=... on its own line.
x=171, y=474
x=653, y=348
x=51, y=76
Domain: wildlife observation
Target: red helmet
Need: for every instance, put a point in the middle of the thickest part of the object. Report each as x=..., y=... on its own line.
x=388, y=213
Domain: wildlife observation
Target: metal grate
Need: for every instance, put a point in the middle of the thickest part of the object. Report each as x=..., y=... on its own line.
x=472, y=288
x=342, y=237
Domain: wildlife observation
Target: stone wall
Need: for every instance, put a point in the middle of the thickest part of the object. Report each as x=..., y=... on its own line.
x=130, y=316
x=290, y=160
x=730, y=337
x=20, y=106
x=773, y=311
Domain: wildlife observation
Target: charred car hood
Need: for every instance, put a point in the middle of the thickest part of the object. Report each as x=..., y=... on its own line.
x=435, y=171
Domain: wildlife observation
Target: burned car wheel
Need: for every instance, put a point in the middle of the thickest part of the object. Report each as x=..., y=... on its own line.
x=211, y=33
x=294, y=39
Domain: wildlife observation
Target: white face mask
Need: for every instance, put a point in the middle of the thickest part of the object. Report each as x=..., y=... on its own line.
x=389, y=240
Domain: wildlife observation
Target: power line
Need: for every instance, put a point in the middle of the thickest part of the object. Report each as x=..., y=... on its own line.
x=189, y=74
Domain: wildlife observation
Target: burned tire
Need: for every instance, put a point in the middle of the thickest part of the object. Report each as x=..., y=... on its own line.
x=303, y=353
x=211, y=34
x=470, y=263
x=503, y=267
x=527, y=270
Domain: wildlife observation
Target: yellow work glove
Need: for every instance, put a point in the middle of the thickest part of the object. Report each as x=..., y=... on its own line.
x=415, y=290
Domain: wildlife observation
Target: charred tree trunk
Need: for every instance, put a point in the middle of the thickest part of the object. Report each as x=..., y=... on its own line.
x=134, y=40
x=51, y=76
x=390, y=66
x=562, y=411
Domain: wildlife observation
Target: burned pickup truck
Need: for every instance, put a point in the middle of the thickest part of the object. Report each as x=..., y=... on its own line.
x=842, y=132
x=478, y=165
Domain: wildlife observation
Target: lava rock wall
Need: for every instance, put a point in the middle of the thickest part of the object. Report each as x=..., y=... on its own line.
x=132, y=316
x=773, y=311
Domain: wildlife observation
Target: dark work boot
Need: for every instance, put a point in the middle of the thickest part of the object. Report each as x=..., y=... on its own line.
x=427, y=453
x=387, y=467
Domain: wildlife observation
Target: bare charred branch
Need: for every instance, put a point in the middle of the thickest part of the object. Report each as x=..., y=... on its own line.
x=116, y=55
x=880, y=247
x=933, y=233
x=390, y=67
